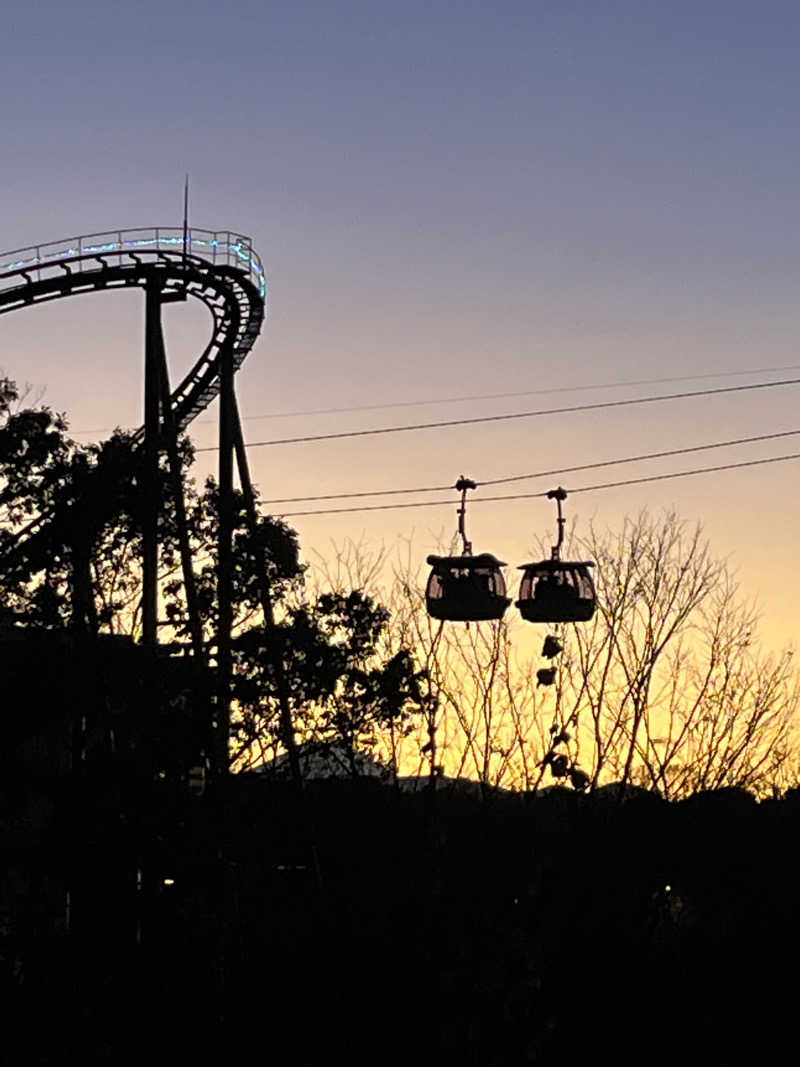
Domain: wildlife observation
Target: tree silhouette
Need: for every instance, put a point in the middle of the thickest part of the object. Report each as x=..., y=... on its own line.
x=68, y=510
x=667, y=687
x=344, y=689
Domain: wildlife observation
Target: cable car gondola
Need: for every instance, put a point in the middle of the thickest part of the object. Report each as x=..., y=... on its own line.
x=466, y=588
x=556, y=590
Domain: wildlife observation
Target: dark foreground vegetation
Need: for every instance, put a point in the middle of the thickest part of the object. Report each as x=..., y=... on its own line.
x=147, y=917
x=371, y=925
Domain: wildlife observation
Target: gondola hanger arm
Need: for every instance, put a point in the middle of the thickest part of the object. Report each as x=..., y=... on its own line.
x=463, y=485
x=559, y=495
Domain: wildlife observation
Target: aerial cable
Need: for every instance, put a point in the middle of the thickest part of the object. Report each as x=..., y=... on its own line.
x=532, y=496
x=537, y=474
x=686, y=474
x=644, y=456
x=428, y=402
x=606, y=404
x=594, y=386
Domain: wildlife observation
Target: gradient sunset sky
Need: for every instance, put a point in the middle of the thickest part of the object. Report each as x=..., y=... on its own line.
x=450, y=199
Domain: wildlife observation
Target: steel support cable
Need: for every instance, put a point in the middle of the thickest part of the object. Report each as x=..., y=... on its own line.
x=594, y=386
x=591, y=387
x=267, y=608
x=531, y=496
x=603, y=405
x=274, y=650
x=540, y=474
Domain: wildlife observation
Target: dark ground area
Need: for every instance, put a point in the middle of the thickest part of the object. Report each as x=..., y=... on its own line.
x=446, y=928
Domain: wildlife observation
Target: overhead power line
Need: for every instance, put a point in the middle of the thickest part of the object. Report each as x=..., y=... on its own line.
x=539, y=474
x=603, y=405
x=430, y=401
x=433, y=401
x=532, y=496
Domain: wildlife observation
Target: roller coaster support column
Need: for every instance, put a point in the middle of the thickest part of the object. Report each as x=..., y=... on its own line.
x=227, y=409
x=275, y=653
x=154, y=344
x=176, y=478
x=287, y=725
x=159, y=422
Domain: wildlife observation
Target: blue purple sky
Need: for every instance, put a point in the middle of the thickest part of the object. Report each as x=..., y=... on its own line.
x=449, y=199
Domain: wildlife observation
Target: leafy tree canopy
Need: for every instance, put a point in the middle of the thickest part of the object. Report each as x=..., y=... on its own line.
x=61, y=501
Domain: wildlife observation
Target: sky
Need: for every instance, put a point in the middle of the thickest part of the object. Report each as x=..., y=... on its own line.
x=450, y=200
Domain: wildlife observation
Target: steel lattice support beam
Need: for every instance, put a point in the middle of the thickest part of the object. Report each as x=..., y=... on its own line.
x=227, y=403
x=150, y=502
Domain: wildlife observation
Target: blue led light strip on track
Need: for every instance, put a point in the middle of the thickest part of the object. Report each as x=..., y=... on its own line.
x=232, y=249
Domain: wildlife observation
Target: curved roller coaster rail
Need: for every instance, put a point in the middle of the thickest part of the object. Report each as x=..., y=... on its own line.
x=170, y=264
x=221, y=247
x=219, y=268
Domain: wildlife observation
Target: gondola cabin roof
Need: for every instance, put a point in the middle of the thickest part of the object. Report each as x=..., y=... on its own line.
x=485, y=560
x=556, y=565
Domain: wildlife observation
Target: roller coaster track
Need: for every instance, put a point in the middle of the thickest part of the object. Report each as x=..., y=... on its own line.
x=220, y=269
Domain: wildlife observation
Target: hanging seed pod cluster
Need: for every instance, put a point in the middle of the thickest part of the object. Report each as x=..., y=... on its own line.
x=562, y=766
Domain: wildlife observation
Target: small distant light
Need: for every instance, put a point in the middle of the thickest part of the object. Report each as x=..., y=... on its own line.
x=169, y=881
x=667, y=888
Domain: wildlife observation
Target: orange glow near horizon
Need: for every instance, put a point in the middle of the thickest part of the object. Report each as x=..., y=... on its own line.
x=747, y=515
